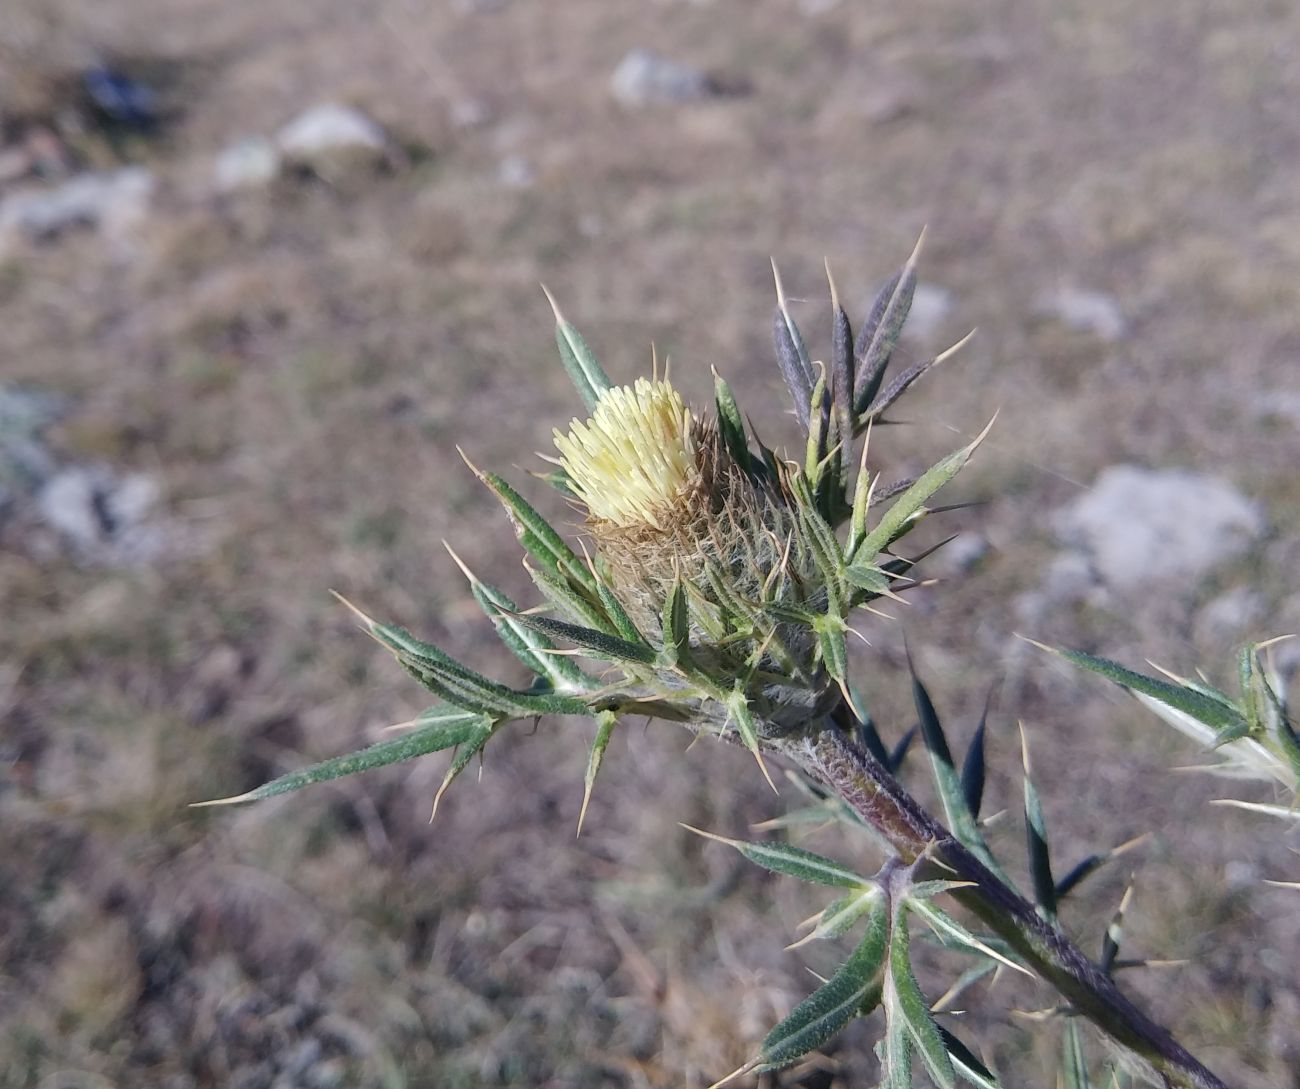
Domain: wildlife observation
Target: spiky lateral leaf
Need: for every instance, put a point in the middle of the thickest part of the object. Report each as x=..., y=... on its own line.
x=972, y=769
x=792, y=861
x=879, y=336
x=968, y=1067
x=446, y=677
x=730, y=423
x=1216, y=712
x=605, y=723
x=951, y=933
x=853, y=991
x=738, y=711
x=913, y=1008
x=842, y=369
x=530, y=646
x=1074, y=1068
x=436, y=729
x=791, y=355
x=587, y=375
x=598, y=644
x=904, y=382
x=951, y=791
x=841, y=916
x=538, y=537
x=461, y=761
x=898, y=518
x=1040, y=853
x=896, y=1063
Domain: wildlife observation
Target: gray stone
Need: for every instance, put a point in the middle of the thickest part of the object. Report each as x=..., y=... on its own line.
x=645, y=78
x=1084, y=311
x=1231, y=615
x=331, y=137
x=960, y=555
x=931, y=306
x=1139, y=525
x=250, y=164
x=470, y=113
x=113, y=201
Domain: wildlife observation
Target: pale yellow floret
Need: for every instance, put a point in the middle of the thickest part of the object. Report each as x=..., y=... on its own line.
x=633, y=460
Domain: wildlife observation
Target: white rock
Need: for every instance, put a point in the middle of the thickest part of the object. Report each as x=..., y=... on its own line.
x=1139, y=525
x=113, y=201
x=1084, y=311
x=931, y=306
x=516, y=172
x=250, y=164
x=332, y=136
x=643, y=78
x=104, y=517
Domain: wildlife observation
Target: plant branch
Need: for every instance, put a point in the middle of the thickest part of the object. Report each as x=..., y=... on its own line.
x=874, y=794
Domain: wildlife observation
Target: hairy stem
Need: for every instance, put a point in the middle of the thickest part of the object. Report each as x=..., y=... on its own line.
x=831, y=757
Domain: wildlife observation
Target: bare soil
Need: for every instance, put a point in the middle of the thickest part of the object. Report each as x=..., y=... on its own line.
x=296, y=366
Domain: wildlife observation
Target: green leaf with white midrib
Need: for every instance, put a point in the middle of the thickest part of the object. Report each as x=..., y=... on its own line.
x=911, y=1006
x=854, y=990
x=437, y=729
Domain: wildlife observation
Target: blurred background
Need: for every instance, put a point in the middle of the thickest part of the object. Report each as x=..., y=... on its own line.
x=264, y=265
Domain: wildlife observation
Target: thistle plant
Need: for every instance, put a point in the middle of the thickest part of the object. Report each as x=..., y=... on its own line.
x=715, y=590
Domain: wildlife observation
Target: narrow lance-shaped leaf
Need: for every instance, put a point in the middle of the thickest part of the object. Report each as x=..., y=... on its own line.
x=878, y=337
x=913, y=1008
x=1040, y=854
x=538, y=537
x=791, y=355
x=530, y=646
x=854, y=990
x=587, y=375
x=968, y=1067
x=605, y=723
x=972, y=769
x=896, y=1063
x=730, y=424
x=676, y=627
x=437, y=729
x=842, y=368
x=598, y=644
x=792, y=861
x=474, y=747
x=1074, y=1067
x=895, y=520
x=1217, y=713
x=959, y=816
x=1113, y=940
x=951, y=932
x=904, y=382
x=841, y=916
x=1089, y=865
x=738, y=712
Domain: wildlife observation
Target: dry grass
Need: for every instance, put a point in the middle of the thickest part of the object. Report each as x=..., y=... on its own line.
x=296, y=366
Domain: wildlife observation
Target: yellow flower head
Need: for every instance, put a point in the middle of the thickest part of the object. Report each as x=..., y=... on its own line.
x=633, y=461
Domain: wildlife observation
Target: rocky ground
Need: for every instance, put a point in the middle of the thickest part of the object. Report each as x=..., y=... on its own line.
x=262, y=267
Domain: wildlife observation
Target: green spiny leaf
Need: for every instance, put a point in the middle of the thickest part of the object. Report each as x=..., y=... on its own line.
x=587, y=375
x=1074, y=1067
x=474, y=747
x=902, y=514
x=972, y=769
x=842, y=369
x=951, y=932
x=968, y=1067
x=913, y=1008
x=436, y=729
x=959, y=816
x=1218, y=714
x=840, y=917
x=529, y=646
x=896, y=1064
x=792, y=861
x=599, y=644
x=605, y=723
x=1040, y=854
x=854, y=990
x=730, y=424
